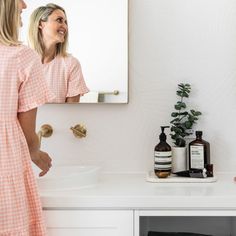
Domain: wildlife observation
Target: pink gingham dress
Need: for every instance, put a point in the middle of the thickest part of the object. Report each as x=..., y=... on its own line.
x=22, y=88
x=64, y=78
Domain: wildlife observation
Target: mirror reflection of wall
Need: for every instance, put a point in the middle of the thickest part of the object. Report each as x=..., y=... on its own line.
x=98, y=38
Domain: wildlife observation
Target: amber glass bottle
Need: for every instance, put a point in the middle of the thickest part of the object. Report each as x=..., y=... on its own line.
x=162, y=156
x=199, y=152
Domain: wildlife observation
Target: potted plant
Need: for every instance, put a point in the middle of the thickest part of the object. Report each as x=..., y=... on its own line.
x=181, y=126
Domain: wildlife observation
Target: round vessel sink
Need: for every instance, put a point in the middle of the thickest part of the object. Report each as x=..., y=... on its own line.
x=69, y=177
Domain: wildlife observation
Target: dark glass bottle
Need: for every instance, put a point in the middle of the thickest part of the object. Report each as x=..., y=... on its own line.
x=199, y=152
x=162, y=156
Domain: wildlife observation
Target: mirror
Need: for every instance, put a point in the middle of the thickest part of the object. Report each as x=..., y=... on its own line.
x=98, y=38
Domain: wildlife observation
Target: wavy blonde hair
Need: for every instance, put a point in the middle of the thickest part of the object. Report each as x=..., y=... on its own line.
x=9, y=22
x=35, y=37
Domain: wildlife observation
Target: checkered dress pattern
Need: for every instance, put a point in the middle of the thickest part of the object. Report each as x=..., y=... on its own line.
x=64, y=78
x=22, y=88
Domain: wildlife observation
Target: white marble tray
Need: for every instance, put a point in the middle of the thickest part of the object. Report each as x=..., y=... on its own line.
x=151, y=177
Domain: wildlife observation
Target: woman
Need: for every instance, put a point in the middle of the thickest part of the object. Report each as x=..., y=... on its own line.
x=48, y=35
x=22, y=89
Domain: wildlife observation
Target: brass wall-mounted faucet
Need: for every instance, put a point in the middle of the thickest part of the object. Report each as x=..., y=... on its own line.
x=79, y=131
x=45, y=131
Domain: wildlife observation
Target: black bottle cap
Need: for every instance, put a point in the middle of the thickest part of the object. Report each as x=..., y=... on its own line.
x=163, y=135
x=198, y=133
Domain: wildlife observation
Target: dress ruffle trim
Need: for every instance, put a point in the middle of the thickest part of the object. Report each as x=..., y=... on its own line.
x=49, y=96
x=20, y=206
x=79, y=91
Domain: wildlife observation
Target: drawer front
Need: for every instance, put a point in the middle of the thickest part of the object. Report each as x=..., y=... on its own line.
x=89, y=223
x=87, y=232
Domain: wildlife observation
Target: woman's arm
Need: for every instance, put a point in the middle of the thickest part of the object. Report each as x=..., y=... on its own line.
x=41, y=159
x=74, y=99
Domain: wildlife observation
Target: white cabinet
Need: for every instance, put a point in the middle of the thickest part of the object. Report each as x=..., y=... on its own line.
x=138, y=222
x=89, y=222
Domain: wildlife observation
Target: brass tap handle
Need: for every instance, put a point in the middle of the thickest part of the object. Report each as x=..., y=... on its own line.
x=45, y=131
x=79, y=131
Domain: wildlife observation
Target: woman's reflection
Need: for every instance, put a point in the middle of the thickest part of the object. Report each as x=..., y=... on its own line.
x=48, y=35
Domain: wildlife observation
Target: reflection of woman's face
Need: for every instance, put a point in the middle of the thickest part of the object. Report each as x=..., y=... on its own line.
x=22, y=6
x=55, y=28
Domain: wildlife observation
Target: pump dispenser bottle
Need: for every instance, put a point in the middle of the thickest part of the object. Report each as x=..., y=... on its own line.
x=162, y=156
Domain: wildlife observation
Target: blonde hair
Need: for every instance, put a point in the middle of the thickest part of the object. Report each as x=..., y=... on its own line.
x=9, y=22
x=35, y=37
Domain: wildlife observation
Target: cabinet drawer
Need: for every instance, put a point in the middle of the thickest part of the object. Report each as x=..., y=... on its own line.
x=86, y=222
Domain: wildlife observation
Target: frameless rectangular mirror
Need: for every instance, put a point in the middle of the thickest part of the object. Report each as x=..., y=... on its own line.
x=98, y=38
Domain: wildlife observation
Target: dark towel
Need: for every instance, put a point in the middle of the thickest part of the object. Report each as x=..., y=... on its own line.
x=152, y=233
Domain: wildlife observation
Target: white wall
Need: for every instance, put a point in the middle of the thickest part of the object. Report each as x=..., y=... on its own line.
x=171, y=41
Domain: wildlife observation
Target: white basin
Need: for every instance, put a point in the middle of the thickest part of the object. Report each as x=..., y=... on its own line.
x=69, y=177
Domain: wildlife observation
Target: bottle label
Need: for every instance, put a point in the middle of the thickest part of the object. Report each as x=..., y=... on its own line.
x=197, y=157
x=162, y=160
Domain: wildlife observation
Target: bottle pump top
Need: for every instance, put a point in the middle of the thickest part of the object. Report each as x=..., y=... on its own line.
x=163, y=135
x=198, y=133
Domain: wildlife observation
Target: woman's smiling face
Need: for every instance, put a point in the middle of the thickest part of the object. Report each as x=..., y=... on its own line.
x=55, y=28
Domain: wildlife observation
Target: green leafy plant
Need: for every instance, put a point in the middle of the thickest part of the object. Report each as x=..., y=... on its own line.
x=183, y=120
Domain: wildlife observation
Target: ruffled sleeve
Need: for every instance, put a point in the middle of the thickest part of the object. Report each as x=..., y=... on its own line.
x=76, y=84
x=33, y=90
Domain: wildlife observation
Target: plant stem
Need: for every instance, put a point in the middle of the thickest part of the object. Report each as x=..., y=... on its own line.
x=180, y=109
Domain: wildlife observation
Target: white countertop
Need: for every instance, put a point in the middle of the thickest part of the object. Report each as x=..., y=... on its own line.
x=131, y=191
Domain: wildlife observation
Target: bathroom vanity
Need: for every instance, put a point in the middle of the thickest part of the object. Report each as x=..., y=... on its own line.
x=127, y=205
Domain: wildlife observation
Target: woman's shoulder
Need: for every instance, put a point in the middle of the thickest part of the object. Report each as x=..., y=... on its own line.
x=27, y=58
x=23, y=49
x=71, y=59
x=24, y=52
x=19, y=51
